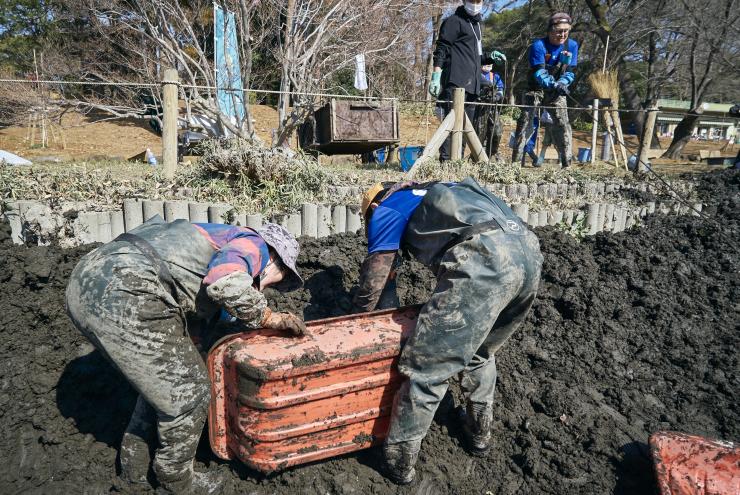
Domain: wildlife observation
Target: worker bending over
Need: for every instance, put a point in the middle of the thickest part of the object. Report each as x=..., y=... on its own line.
x=487, y=265
x=130, y=297
x=551, y=61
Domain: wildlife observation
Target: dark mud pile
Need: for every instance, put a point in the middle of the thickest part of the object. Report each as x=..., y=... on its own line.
x=631, y=333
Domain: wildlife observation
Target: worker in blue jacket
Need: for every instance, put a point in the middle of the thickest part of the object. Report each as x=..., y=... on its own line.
x=552, y=60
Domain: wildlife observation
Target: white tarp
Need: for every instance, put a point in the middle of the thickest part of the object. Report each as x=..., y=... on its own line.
x=11, y=159
x=360, y=75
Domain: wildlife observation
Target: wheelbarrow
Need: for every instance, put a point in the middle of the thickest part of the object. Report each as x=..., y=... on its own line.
x=693, y=465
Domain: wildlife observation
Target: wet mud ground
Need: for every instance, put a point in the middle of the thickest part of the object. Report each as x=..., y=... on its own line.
x=631, y=333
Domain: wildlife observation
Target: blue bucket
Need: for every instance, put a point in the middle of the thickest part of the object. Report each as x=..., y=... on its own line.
x=380, y=155
x=584, y=155
x=409, y=155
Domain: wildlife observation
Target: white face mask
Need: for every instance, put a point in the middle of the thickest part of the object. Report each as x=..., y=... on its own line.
x=473, y=9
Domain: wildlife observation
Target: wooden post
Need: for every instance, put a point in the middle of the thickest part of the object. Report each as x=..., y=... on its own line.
x=477, y=152
x=646, y=140
x=458, y=106
x=169, y=122
x=595, y=130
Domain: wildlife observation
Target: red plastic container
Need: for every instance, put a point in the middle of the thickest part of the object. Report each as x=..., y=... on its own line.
x=280, y=401
x=692, y=465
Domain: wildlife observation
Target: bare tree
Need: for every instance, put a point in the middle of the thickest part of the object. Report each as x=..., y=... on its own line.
x=138, y=39
x=710, y=52
x=322, y=37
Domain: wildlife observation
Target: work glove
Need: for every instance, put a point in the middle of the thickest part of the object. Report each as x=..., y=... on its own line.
x=561, y=88
x=498, y=57
x=283, y=321
x=435, y=84
x=498, y=97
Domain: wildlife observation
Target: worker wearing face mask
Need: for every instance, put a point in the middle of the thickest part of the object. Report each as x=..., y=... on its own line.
x=457, y=61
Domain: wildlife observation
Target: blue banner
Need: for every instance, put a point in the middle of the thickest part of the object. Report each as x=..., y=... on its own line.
x=228, y=70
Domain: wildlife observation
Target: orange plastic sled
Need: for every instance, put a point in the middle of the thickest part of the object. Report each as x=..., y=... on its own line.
x=279, y=401
x=692, y=465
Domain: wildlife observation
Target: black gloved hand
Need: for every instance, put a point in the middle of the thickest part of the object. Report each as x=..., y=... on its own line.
x=562, y=89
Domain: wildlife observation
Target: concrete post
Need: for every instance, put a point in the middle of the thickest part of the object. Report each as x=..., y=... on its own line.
x=117, y=226
x=609, y=225
x=542, y=220
x=89, y=227
x=339, y=219
x=309, y=220
x=176, y=210
x=104, y=227
x=523, y=191
x=522, y=211
x=133, y=213
x=169, y=122
x=533, y=219
x=592, y=218
x=14, y=218
x=323, y=214
x=354, y=222
x=254, y=221
x=293, y=224
x=562, y=190
x=602, y=216
x=241, y=219
x=557, y=217
x=568, y=217
x=219, y=213
x=152, y=208
x=198, y=212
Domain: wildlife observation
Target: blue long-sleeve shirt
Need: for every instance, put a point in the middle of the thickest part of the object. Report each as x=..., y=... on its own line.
x=545, y=63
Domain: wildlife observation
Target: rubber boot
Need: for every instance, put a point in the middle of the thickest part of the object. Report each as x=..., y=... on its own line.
x=135, y=459
x=192, y=483
x=135, y=453
x=477, y=419
x=400, y=459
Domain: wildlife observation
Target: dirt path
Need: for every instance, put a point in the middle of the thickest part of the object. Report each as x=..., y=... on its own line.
x=631, y=333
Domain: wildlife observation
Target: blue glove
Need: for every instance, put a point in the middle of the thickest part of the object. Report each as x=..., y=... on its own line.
x=544, y=79
x=434, y=84
x=561, y=88
x=499, y=96
x=498, y=56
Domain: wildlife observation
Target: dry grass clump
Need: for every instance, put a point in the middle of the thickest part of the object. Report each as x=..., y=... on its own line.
x=494, y=171
x=605, y=85
x=272, y=179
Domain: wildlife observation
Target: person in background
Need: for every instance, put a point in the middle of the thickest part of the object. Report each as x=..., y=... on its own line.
x=131, y=298
x=488, y=121
x=552, y=60
x=457, y=62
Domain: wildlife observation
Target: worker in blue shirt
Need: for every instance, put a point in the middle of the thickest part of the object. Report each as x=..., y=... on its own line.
x=487, y=265
x=551, y=61
x=488, y=121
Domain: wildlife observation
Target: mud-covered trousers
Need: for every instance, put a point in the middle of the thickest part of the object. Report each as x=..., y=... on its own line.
x=561, y=132
x=116, y=300
x=485, y=287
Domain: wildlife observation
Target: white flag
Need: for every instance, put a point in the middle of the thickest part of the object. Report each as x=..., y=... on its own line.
x=360, y=75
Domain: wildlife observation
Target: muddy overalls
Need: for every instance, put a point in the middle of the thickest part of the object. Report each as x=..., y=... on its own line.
x=487, y=279
x=120, y=301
